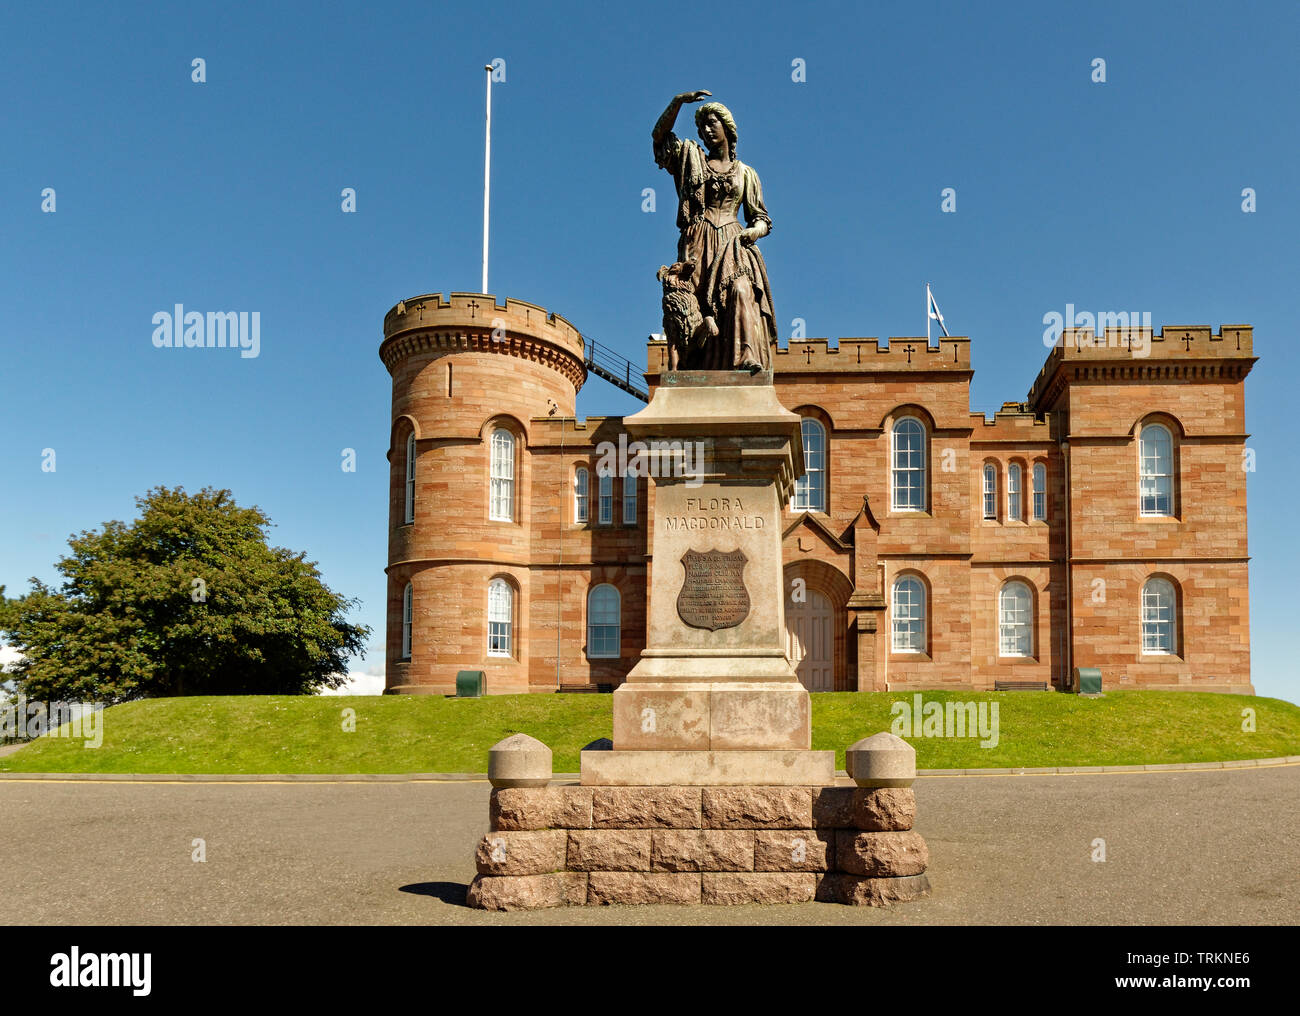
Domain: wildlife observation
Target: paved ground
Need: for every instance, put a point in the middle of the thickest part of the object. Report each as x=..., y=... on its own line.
x=1206, y=847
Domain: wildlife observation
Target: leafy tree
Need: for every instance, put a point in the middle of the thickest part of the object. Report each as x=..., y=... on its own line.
x=189, y=599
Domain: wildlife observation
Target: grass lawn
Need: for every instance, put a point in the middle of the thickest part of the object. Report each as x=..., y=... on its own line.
x=399, y=734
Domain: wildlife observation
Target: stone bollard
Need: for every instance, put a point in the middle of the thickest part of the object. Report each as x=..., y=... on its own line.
x=881, y=760
x=519, y=761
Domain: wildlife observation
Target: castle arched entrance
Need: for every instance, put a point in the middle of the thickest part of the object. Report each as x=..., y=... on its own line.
x=810, y=639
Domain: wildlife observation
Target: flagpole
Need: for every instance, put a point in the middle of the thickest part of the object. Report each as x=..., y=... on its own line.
x=487, y=172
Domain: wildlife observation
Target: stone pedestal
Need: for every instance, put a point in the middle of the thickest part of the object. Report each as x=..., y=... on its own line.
x=714, y=678
x=575, y=846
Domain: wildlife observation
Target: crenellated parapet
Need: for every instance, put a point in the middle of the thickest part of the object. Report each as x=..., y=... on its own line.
x=850, y=355
x=475, y=322
x=1014, y=424
x=1178, y=352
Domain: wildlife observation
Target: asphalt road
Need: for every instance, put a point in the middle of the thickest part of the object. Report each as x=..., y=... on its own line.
x=1209, y=847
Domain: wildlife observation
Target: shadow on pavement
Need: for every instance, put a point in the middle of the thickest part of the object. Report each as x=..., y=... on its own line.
x=449, y=892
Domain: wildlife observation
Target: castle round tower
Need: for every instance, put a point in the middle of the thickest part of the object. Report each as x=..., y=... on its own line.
x=469, y=377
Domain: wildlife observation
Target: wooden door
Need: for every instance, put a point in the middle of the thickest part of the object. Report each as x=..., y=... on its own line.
x=810, y=640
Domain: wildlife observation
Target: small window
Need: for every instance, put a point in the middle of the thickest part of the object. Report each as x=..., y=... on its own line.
x=1040, y=492
x=1156, y=465
x=1015, y=620
x=810, y=489
x=1159, y=608
x=605, y=507
x=501, y=617
x=408, y=616
x=1013, y=492
x=603, y=622
x=409, y=513
x=990, y=492
x=909, y=615
x=580, y=495
x=908, y=455
x=629, y=499
x=502, y=506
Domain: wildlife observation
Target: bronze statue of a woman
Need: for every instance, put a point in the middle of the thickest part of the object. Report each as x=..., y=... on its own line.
x=716, y=257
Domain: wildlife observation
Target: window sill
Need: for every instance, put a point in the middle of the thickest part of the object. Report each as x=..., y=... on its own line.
x=895, y=656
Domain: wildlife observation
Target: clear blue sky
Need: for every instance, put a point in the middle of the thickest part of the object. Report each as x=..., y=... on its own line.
x=225, y=196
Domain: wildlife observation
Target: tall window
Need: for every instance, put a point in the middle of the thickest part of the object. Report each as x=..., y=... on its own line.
x=408, y=615
x=810, y=489
x=501, y=617
x=1013, y=491
x=1156, y=462
x=909, y=615
x=605, y=506
x=1015, y=620
x=502, y=506
x=908, y=456
x=990, y=491
x=629, y=499
x=580, y=493
x=409, y=512
x=1040, y=492
x=1158, y=617
x=603, y=622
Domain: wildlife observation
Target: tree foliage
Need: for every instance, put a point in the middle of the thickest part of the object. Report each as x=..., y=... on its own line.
x=189, y=599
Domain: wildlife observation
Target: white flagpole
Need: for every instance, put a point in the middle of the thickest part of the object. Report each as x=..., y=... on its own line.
x=487, y=172
x=927, y=315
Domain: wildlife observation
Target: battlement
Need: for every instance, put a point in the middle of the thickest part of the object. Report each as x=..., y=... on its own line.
x=851, y=355
x=1136, y=345
x=481, y=311
x=1015, y=422
x=475, y=322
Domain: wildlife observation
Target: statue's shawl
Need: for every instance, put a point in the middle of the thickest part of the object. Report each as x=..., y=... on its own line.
x=687, y=162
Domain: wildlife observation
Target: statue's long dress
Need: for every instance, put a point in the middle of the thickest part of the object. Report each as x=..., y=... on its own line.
x=710, y=236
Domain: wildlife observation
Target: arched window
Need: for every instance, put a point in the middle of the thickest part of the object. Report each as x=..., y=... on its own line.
x=1015, y=620
x=408, y=615
x=1040, y=492
x=629, y=499
x=810, y=489
x=501, y=617
x=1156, y=465
x=1013, y=491
x=580, y=493
x=603, y=622
x=908, y=457
x=990, y=491
x=408, y=513
x=502, y=506
x=605, y=500
x=1159, y=617
x=909, y=615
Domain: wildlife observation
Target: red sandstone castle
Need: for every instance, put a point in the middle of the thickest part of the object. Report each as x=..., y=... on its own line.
x=1099, y=523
